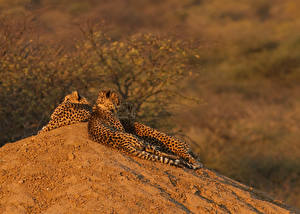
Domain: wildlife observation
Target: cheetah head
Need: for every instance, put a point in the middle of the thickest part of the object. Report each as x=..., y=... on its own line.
x=108, y=100
x=127, y=111
x=75, y=97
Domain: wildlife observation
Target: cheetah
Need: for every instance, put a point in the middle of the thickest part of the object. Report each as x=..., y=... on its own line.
x=104, y=127
x=166, y=143
x=73, y=109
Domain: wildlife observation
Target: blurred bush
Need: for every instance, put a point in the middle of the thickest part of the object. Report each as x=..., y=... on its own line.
x=145, y=69
x=33, y=77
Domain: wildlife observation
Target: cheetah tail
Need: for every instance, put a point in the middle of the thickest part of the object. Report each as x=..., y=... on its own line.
x=165, y=160
x=194, y=166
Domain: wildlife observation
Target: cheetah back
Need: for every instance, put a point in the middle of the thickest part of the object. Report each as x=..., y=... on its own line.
x=73, y=109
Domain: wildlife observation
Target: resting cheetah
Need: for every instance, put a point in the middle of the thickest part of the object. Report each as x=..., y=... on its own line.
x=73, y=109
x=105, y=127
x=165, y=142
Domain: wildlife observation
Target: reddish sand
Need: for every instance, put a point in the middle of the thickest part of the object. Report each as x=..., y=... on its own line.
x=63, y=172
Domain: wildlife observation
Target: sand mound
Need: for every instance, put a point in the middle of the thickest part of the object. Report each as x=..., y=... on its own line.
x=63, y=172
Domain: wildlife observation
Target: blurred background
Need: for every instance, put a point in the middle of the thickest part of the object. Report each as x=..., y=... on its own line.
x=223, y=75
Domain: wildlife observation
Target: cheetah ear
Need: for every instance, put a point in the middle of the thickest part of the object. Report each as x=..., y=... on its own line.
x=78, y=95
x=75, y=94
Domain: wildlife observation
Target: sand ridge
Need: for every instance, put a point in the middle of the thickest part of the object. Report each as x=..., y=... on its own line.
x=62, y=171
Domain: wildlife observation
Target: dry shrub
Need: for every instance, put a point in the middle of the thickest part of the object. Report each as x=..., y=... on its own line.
x=145, y=69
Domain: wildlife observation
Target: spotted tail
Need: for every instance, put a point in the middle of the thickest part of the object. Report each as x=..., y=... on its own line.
x=147, y=156
x=156, y=151
x=194, y=166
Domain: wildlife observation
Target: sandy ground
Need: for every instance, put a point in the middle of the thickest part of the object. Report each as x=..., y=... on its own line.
x=63, y=172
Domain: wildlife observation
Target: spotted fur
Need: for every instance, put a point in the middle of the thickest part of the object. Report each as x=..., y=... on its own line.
x=104, y=127
x=73, y=109
x=168, y=144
